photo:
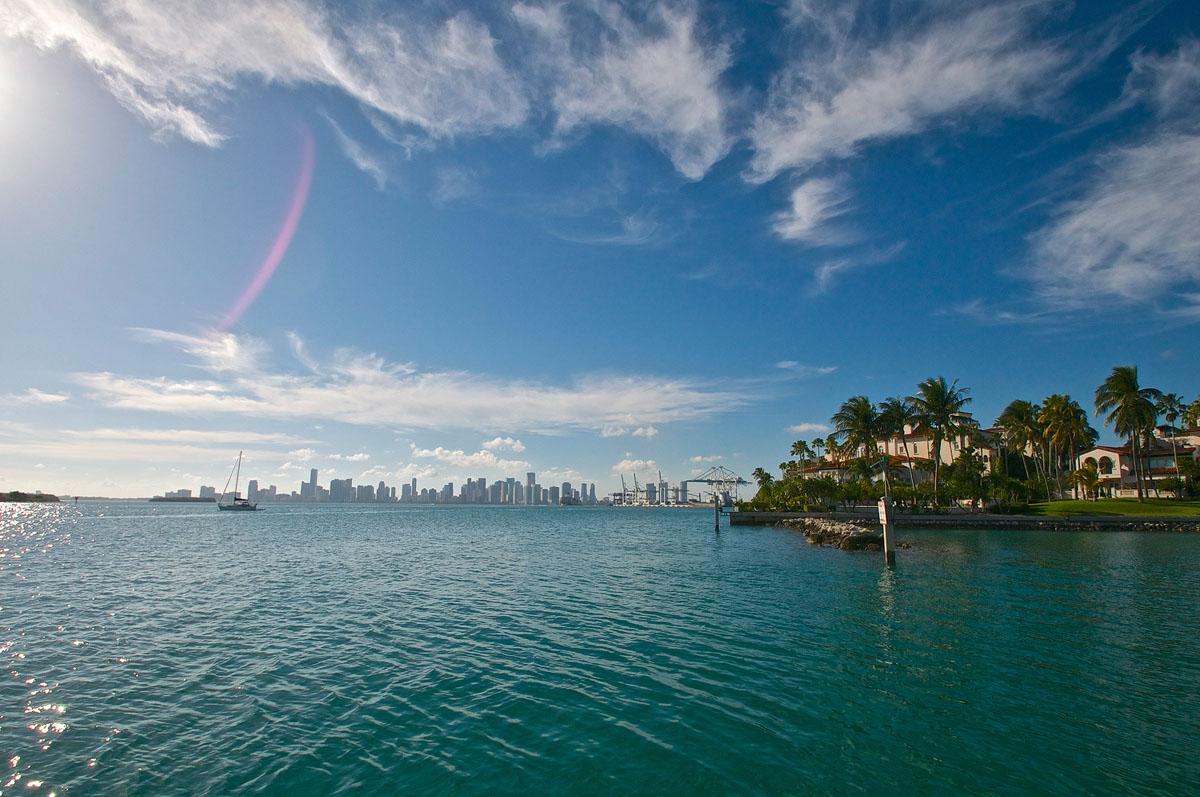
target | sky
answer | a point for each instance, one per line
(444, 240)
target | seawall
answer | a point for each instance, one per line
(973, 521)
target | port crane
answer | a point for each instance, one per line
(721, 482)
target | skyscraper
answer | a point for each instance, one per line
(530, 480)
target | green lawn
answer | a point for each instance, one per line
(1125, 507)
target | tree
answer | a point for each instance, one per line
(938, 408)
(763, 478)
(1019, 420)
(1087, 478)
(1066, 430)
(1170, 407)
(857, 426)
(1131, 410)
(896, 413)
(817, 444)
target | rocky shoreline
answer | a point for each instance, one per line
(848, 535)
(982, 522)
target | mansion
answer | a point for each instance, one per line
(1115, 463)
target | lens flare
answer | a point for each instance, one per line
(282, 240)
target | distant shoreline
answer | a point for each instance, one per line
(16, 496)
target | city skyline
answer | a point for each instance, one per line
(587, 239)
(507, 491)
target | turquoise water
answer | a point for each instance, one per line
(172, 649)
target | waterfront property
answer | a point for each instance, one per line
(1167, 449)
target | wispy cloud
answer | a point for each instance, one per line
(364, 389)
(814, 204)
(169, 62)
(801, 370)
(1130, 236)
(809, 428)
(848, 85)
(34, 396)
(655, 76)
(714, 458)
(368, 163)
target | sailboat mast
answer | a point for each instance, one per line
(238, 478)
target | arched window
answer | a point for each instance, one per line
(1106, 466)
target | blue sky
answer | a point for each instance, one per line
(582, 239)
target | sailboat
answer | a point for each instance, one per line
(238, 504)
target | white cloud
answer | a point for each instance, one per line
(480, 459)
(359, 457)
(216, 351)
(814, 204)
(34, 396)
(366, 390)
(418, 72)
(848, 86)
(553, 475)
(169, 61)
(183, 435)
(454, 183)
(645, 431)
(655, 76)
(371, 165)
(612, 430)
(635, 466)
(1131, 234)
(805, 428)
(303, 454)
(804, 371)
(504, 444)
(714, 458)
(414, 470)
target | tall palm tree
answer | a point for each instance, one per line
(1130, 407)
(857, 426)
(1170, 406)
(817, 444)
(938, 406)
(801, 451)
(896, 413)
(1066, 430)
(1019, 420)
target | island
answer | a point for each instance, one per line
(40, 498)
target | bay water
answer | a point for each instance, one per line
(344, 649)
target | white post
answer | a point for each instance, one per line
(885, 519)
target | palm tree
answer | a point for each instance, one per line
(938, 407)
(857, 424)
(896, 413)
(817, 444)
(763, 478)
(800, 449)
(1019, 420)
(1088, 478)
(1170, 406)
(1130, 407)
(1066, 430)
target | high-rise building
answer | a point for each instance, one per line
(251, 490)
(553, 496)
(565, 495)
(414, 488)
(530, 480)
(683, 495)
(592, 493)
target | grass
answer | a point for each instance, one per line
(1123, 507)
